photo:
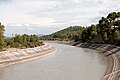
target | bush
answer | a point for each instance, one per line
(17, 45)
(23, 41)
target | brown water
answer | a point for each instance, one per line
(68, 63)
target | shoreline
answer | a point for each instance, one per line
(113, 57)
(24, 55)
(111, 52)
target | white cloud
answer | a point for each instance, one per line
(52, 15)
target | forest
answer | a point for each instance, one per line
(108, 28)
(18, 41)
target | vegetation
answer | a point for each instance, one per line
(1, 36)
(89, 33)
(70, 33)
(19, 41)
(24, 41)
(108, 28)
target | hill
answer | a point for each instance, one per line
(70, 33)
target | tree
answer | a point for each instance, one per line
(24, 38)
(1, 36)
(85, 35)
(18, 39)
(117, 37)
(33, 38)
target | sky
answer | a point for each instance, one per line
(47, 16)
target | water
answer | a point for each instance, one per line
(68, 63)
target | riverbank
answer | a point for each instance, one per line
(13, 55)
(113, 56)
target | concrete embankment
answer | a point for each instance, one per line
(112, 54)
(13, 55)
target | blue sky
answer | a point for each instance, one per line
(47, 16)
(4, 1)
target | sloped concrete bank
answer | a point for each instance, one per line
(13, 55)
(112, 54)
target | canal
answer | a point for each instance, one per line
(67, 63)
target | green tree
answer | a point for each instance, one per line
(33, 38)
(85, 35)
(18, 39)
(117, 37)
(1, 36)
(24, 37)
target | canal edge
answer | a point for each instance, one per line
(113, 70)
(28, 57)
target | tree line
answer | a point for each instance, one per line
(18, 41)
(23, 41)
(108, 28)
